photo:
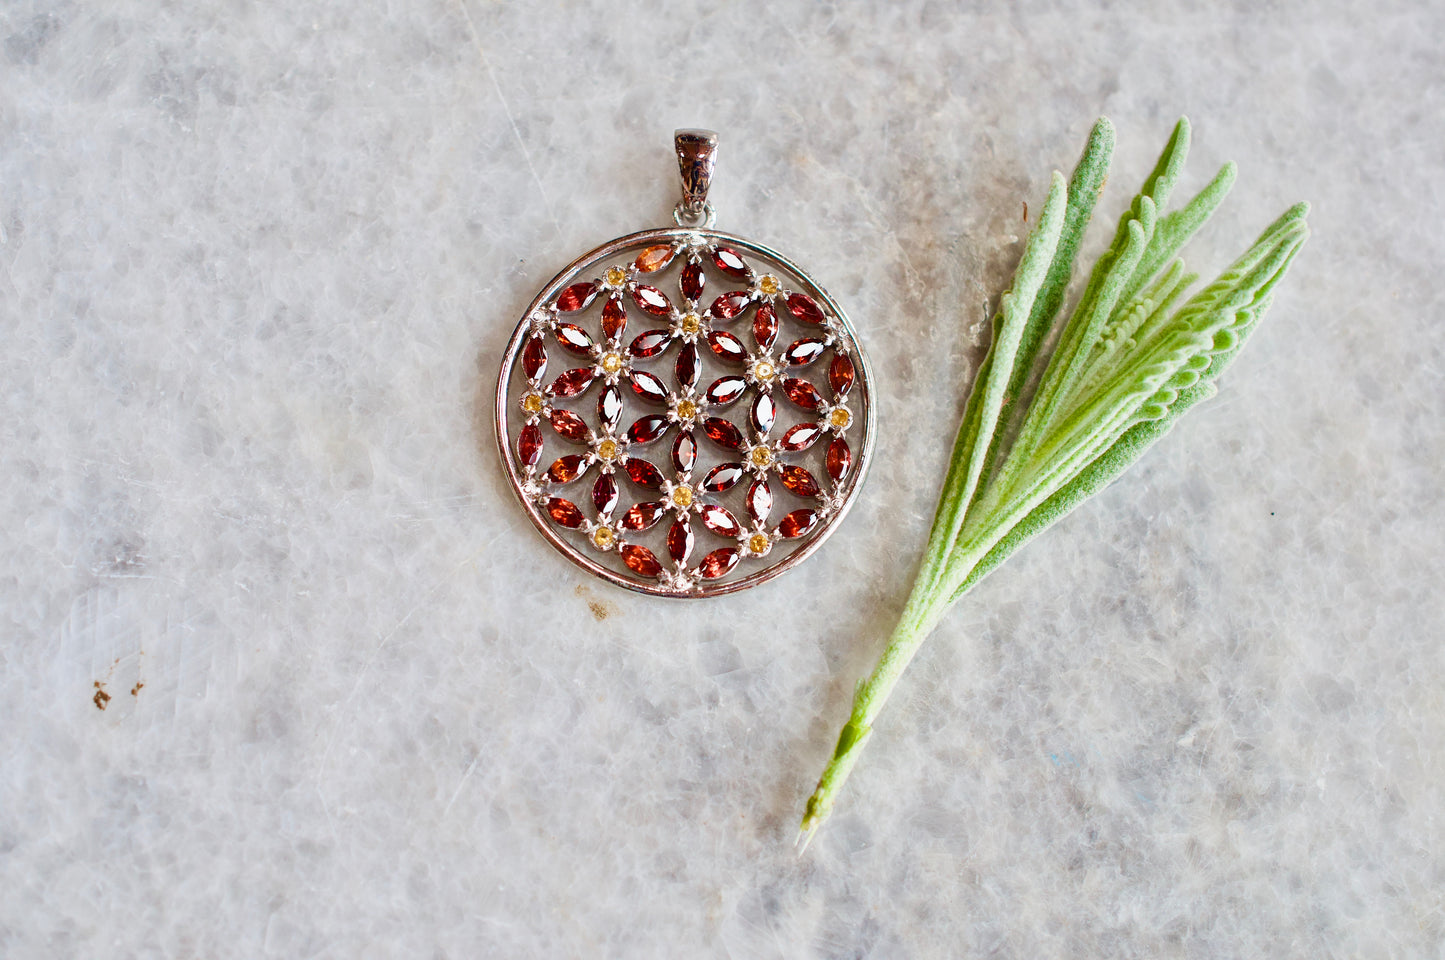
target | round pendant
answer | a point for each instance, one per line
(685, 412)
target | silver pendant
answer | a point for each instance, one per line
(688, 443)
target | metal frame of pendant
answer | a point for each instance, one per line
(531, 488)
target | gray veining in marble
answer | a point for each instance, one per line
(256, 262)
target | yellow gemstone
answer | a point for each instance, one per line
(764, 370)
(691, 324)
(603, 536)
(758, 543)
(532, 403)
(761, 456)
(611, 363)
(615, 276)
(769, 285)
(686, 409)
(682, 496)
(607, 449)
(840, 418)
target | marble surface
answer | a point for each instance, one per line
(256, 263)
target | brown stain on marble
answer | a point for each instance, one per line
(101, 698)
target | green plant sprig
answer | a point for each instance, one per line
(1129, 360)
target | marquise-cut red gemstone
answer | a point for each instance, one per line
(614, 318)
(805, 351)
(569, 425)
(727, 346)
(718, 563)
(641, 516)
(654, 259)
(725, 390)
(574, 338)
(679, 540)
(684, 451)
(798, 523)
(643, 473)
(800, 436)
(649, 344)
(839, 458)
(764, 412)
(687, 366)
(760, 500)
(765, 325)
(803, 393)
(692, 280)
(841, 374)
(722, 477)
(805, 308)
(571, 383)
(647, 429)
(723, 433)
(529, 445)
(720, 521)
(647, 386)
(641, 560)
(604, 494)
(730, 262)
(576, 297)
(729, 305)
(799, 480)
(652, 300)
(564, 513)
(534, 358)
(609, 406)
(566, 469)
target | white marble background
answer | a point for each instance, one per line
(256, 263)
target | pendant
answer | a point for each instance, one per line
(684, 412)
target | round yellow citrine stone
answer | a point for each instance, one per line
(769, 285)
(761, 456)
(758, 543)
(615, 276)
(764, 370)
(611, 363)
(607, 449)
(686, 409)
(682, 496)
(604, 537)
(532, 403)
(840, 418)
(691, 325)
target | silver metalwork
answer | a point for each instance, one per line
(696, 156)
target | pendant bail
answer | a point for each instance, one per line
(696, 154)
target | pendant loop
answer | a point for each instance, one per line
(696, 154)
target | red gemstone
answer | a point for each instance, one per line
(529, 445)
(654, 259)
(687, 366)
(679, 540)
(805, 351)
(574, 338)
(640, 560)
(641, 516)
(718, 563)
(798, 523)
(760, 500)
(730, 262)
(652, 300)
(643, 473)
(799, 480)
(805, 308)
(727, 346)
(647, 429)
(648, 387)
(722, 477)
(614, 318)
(803, 393)
(576, 297)
(721, 522)
(692, 280)
(840, 375)
(684, 451)
(722, 433)
(801, 436)
(534, 359)
(840, 459)
(569, 425)
(729, 305)
(609, 407)
(604, 494)
(650, 344)
(764, 412)
(571, 383)
(566, 469)
(725, 390)
(564, 513)
(765, 325)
